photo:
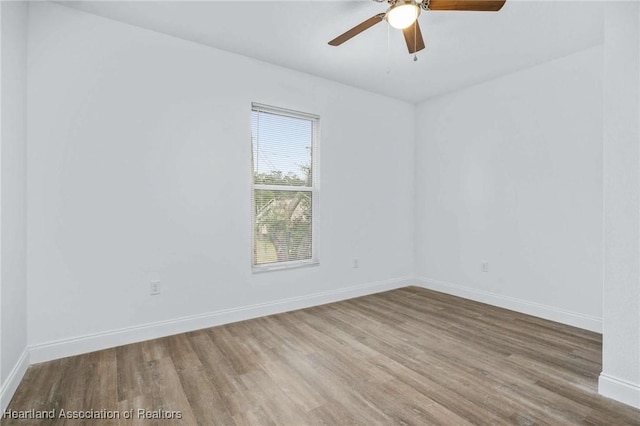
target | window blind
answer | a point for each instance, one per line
(283, 149)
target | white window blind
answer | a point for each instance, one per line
(284, 162)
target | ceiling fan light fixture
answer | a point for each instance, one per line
(402, 14)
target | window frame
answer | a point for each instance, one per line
(314, 189)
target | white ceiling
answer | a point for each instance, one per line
(463, 48)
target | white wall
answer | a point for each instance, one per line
(13, 282)
(620, 378)
(139, 168)
(510, 172)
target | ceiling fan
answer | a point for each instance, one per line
(403, 15)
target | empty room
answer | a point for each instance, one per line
(369, 212)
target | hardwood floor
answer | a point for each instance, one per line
(407, 356)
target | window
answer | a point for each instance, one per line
(285, 203)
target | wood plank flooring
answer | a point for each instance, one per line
(407, 356)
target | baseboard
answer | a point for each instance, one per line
(89, 343)
(14, 378)
(620, 390)
(551, 313)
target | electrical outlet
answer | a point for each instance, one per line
(154, 288)
(355, 263)
(484, 266)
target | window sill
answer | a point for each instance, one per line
(284, 266)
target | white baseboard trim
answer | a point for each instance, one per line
(94, 342)
(620, 390)
(14, 378)
(530, 308)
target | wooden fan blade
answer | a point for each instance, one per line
(357, 29)
(413, 37)
(477, 5)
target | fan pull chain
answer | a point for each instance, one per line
(415, 40)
